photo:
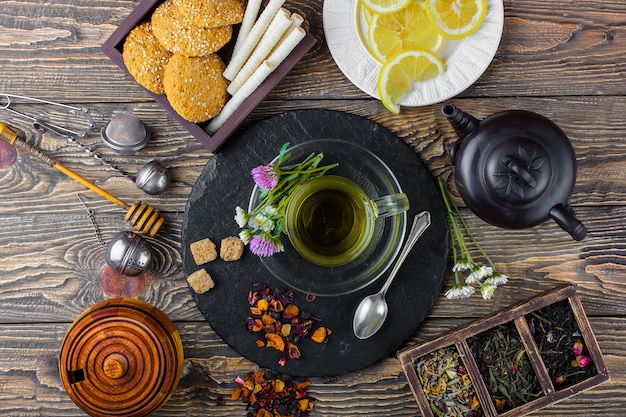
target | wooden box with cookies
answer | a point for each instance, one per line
(209, 63)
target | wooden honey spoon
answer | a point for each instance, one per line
(143, 217)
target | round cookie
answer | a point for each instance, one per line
(178, 35)
(145, 57)
(195, 86)
(212, 13)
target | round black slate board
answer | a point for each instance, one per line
(226, 183)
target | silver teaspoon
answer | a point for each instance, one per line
(372, 311)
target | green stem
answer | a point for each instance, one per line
(473, 239)
(460, 239)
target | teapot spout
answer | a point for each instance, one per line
(565, 218)
(463, 123)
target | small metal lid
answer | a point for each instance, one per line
(125, 133)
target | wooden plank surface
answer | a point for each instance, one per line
(565, 60)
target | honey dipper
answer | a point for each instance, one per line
(143, 217)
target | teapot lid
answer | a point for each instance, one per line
(121, 357)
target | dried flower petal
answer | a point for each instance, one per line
(291, 311)
(583, 361)
(500, 404)
(274, 395)
(293, 352)
(578, 348)
(275, 341)
(279, 323)
(321, 334)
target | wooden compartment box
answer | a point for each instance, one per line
(512, 363)
(112, 48)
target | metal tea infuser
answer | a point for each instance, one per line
(141, 216)
(128, 253)
(124, 133)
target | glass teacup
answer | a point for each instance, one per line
(376, 180)
(330, 220)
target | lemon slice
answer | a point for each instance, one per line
(369, 15)
(408, 28)
(397, 75)
(384, 6)
(457, 19)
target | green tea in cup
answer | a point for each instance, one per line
(330, 220)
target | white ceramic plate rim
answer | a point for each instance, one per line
(465, 60)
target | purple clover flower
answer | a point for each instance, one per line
(265, 176)
(262, 245)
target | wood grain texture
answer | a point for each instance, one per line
(564, 60)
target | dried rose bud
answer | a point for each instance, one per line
(578, 348)
(583, 361)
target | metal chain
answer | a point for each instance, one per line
(63, 132)
(90, 214)
(42, 126)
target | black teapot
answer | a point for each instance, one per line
(514, 169)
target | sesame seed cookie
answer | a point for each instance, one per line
(212, 13)
(195, 86)
(145, 58)
(178, 35)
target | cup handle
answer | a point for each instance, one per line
(390, 204)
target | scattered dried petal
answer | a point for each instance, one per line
(276, 395)
(321, 334)
(279, 323)
(291, 311)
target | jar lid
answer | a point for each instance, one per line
(121, 357)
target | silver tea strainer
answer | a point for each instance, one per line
(124, 133)
(129, 254)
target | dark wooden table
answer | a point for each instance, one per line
(565, 60)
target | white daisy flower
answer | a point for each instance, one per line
(459, 291)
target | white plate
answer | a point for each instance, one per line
(465, 60)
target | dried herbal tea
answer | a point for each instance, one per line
(561, 345)
(279, 323)
(447, 384)
(271, 394)
(505, 367)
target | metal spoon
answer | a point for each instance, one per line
(372, 311)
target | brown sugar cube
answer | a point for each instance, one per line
(200, 281)
(231, 248)
(203, 251)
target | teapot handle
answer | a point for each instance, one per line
(565, 218)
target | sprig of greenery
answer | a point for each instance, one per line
(263, 225)
(487, 278)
